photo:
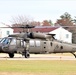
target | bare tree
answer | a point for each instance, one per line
(21, 20)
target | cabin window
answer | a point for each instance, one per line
(23, 43)
(32, 43)
(37, 43)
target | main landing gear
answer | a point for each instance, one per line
(26, 50)
(74, 54)
(27, 54)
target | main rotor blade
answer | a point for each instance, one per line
(29, 27)
(26, 26)
(53, 26)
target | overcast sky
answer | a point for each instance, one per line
(37, 9)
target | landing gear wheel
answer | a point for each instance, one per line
(11, 55)
(74, 54)
(27, 54)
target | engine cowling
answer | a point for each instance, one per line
(39, 35)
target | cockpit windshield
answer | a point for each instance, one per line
(5, 40)
(1, 39)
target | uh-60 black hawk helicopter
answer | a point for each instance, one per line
(35, 43)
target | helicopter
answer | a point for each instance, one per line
(27, 43)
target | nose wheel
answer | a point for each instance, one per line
(11, 55)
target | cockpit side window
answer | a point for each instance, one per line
(5, 40)
(13, 42)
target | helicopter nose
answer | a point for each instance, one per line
(1, 47)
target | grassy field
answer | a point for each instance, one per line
(37, 67)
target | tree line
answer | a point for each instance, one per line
(65, 20)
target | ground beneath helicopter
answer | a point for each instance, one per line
(4, 56)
